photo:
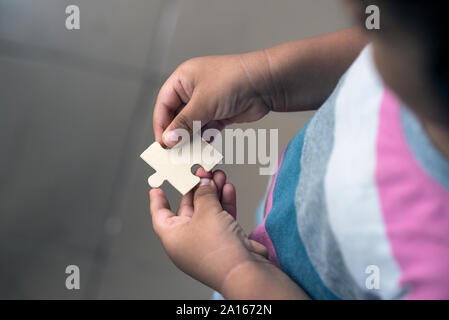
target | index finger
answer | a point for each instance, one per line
(167, 103)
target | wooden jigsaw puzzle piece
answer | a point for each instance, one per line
(184, 182)
(178, 173)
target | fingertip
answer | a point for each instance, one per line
(205, 182)
(229, 190)
(229, 199)
(258, 248)
(156, 192)
(158, 138)
(170, 138)
(158, 131)
(200, 172)
(220, 176)
(158, 199)
(206, 186)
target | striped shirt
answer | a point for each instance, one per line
(360, 187)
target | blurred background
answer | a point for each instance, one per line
(75, 114)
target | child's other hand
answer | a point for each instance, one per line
(204, 239)
(216, 90)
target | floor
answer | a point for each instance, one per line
(76, 111)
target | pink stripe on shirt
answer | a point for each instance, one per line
(260, 234)
(415, 210)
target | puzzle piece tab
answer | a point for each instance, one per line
(174, 165)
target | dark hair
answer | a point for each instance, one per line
(426, 20)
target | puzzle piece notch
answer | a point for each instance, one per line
(175, 169)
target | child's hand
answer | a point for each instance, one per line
(204, 239)
(216, 90)
(220, 90)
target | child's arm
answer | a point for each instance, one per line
(305, 72)
(204, 240)
(220, 90)
(260, 281)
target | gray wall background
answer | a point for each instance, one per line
(75, 113)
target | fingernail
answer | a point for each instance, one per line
(204, 182)
(170, 137)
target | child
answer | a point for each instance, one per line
(359, 206)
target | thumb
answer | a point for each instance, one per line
(160, 211)
(195, 110)
(205, 198)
